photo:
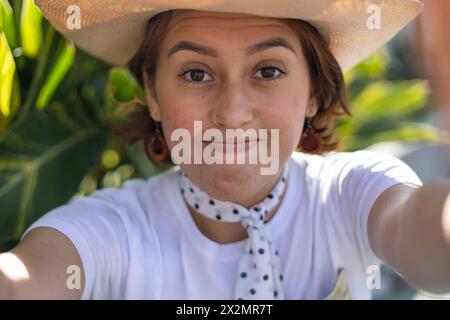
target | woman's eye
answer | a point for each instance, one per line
(195, 75)
(270, 73)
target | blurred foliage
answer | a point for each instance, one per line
(57, 106)
(383, 109)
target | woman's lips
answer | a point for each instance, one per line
(232, 147)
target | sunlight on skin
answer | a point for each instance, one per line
(446, 219)
(13, 268)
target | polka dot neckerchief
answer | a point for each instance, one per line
(259, 273)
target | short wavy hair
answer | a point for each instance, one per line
(325, 74)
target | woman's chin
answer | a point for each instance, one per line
(228, 182)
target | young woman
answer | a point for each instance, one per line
(211, 230)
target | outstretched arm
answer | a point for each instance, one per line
(409, 228)
(37, 267)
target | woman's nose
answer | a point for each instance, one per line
(233, 108)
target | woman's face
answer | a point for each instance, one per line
(223, 81)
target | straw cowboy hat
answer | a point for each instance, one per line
(113, 30)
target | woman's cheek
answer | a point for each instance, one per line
(292, 134)
(175, 123)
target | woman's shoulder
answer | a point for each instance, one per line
(127, 206)
(345, 160)
(330, 156)
(336, 169)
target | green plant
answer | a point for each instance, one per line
(383, 109)
(57, 106)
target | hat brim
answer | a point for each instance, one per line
(113, 30)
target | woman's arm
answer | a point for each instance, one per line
(409, 228)
(38, 268)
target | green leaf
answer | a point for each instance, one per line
(408, 132)
(42, 163)
(7, 70)
(123, 94)
(384, 98)
(63, 64)
(123, 85)
(13, 106)
(7, 23)
(375, 66)
(403, 132)
(38, 73)
(30, 29)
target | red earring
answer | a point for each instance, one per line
(310, 142)
(156, 146)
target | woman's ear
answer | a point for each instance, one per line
(150, 97)
(312, 108)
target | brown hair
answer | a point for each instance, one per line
(327, 82)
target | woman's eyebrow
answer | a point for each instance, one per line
(211, 52)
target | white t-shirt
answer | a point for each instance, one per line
(140, 242)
